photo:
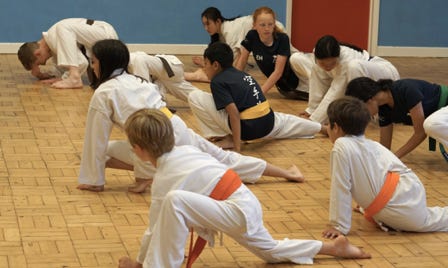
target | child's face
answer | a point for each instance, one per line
(372, 106)
(211, 69)
(335, 132)
(264, 25)
(328, 64)
(95, 64)
(212, 27)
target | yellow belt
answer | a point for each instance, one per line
(256, 111)
(166, 111)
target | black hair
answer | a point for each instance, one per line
(329, 47)
(220, 52)
(112, 55)
(365, 88)
(212, 13)
(350, 114)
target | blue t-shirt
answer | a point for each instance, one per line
(265, 57)
(406, 94)
(234, 86)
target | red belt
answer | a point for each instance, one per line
(226, 186)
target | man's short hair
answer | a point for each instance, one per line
(26, 54)
(351, 114)
(220, 52)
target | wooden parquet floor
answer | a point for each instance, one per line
(46, 222)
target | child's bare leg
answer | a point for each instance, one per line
(117, 164)
(126, 262)
(140, 185)
(72, 81)
(198, 76)
(293, 173)
(226, 142)
(341, 247)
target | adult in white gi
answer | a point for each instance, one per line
(183, 182)
(65, 41)
(119, 95)
(231, 31)
(234, 94)
(152, 68)
(359, 167)
(337, 64)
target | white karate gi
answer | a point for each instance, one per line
(302, 64)
(436, 126)
(179, 201)
(358, 169)
(214, 123)
(64, 37)
(151, 68)
(112, 103)
(328, 86)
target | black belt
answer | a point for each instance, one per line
(166, 66)
(90, 21)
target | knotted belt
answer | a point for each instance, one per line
(383, 197)
(443, 101)
(228, 184)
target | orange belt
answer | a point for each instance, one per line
(228, 184)
(383, 196)
(256, 111)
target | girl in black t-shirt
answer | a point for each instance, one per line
(271, 50)
(408, 101)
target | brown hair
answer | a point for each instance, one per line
(266, 10)
(26, 54)
(351, 115)
(151, 130)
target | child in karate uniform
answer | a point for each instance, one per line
(388, 192)
(118, 95)
(192, 190)
(237, 108)
(166, 71)
(69, 43)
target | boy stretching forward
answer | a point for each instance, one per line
(389, 192)
(193, 190)
(237, 109)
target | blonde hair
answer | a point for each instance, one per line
(151, 130)
(266, 10)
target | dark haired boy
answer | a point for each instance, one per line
(237, 110)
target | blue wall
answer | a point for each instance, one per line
(413, 23)
(136, 21)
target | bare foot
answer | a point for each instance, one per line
(198, 60)
(198, 76)
(304, 115)
(89, 187)
(294, 174)
(226, 142)
(140, 185)
(68, 83)
(215, 138)
(342, 248)
(324, 130)
(126, 262)
(50, 81)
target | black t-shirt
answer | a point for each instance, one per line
(234, 86)
(266, 56)
(406, 94)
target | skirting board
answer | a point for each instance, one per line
(196, 49)
(411, 51)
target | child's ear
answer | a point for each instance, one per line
(216, 65)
